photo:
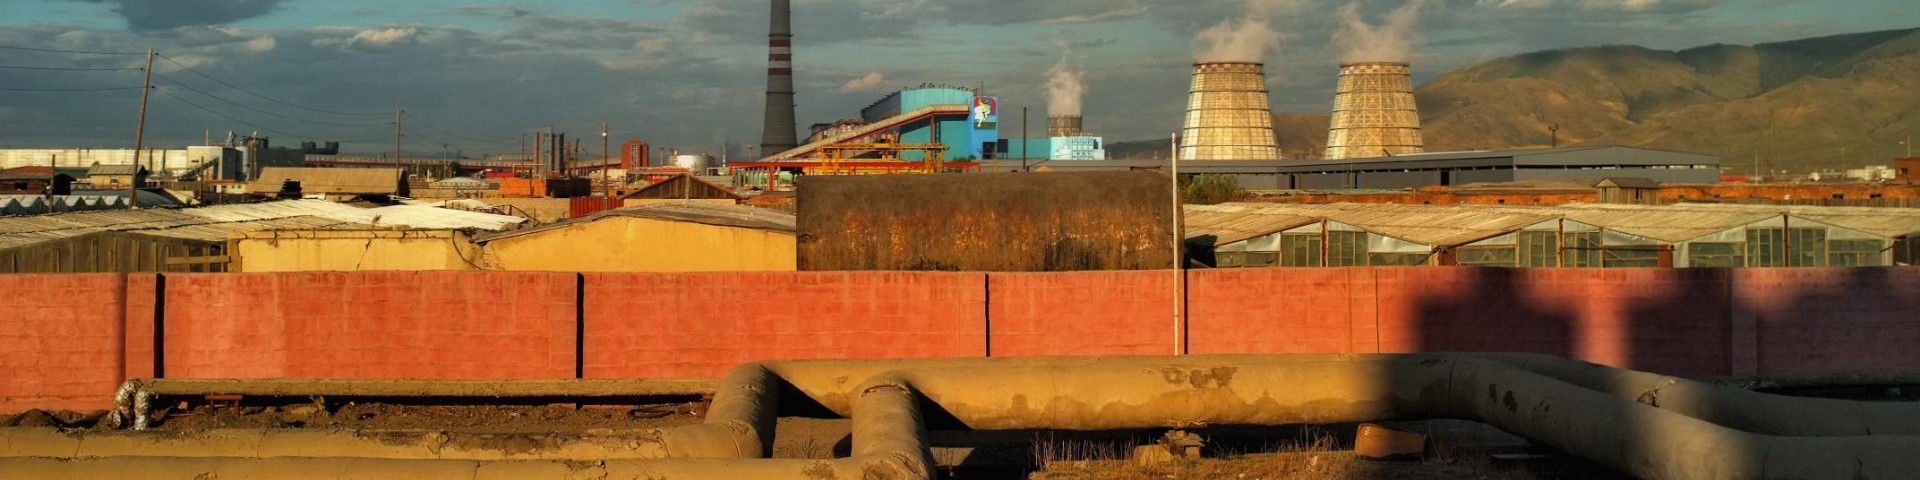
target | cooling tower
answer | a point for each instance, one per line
(1228, 117)
(780, 132)
(1064, 126)
(1374, 113)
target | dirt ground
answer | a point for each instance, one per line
(1462, 449)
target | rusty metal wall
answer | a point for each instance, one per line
(1042, 222)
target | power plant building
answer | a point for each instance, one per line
(1228, 114)
(973, 133)
(1374, 113)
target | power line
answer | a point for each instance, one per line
(235, 120)
(271, 99)
(106, 89)
(249, 107)
(82, 52)
(68, 69)
(430, 126)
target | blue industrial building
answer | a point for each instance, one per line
(974, 135)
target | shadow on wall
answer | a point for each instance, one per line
(1794, 321)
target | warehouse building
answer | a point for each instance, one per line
(1587, 165)
(1572, 236)
(972, 133)
(692, 237)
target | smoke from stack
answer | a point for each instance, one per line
(780, 131)
(1065, 91)
(1390, 41)
(1374, 111)
(1246, 39)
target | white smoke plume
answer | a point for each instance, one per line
(1065, 89)
(1390, 41)
(1248, 38)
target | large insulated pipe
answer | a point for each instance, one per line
(780, 131)
(1186, 392)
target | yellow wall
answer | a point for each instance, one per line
(352, 251)
(641, 202)
(628, 244)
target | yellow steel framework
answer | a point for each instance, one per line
(838, 159)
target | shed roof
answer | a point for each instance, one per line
(340, 181)
(1620, 182)
(28, 173)
(213, 223)
(718, 215)
(1435, 225)
(99, 169)
(687, 186)
(1229, 225)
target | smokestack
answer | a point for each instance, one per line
(1064, 126)
(1374, 114)
(1228, 117)
(780, 131)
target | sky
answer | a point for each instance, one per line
(689, 75)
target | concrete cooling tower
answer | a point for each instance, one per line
(1064, 126)
(1374, 114)
(1228, 117)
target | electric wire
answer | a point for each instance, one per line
(203, 108)
(248, 107)
(271, 99)
(430, 126)
(102, 89)
(70, 69)
(81, 52)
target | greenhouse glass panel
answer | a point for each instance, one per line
(1766, 247)
(1808, 247)
(1261, 259)
(1855, 253)
(1632, 257)
(1300, 250)
(1717, 255)
(1486, 257)
(1346, 249)
(1397, 259)
(1539, 249)
(1230, 259)
(1583, 250)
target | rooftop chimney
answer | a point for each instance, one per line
(779, 134)
(1228, 117)
(1374, 114)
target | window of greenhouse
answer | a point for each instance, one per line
(1808, 247)
(1486, 257)
(1346, 249)
(1854, 253)
(1230, 259)
(1397, 259)
(1300, 250)
(1261, 259)
(1632, 257)
(1539, 249)
(1766, 247)
(1583, 250)
(1717, 255)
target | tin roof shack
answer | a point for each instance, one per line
(335, 184)
(353, 250)
(655, 238)
(34, 181)
(990, 222)
(680, 189)
(105, 177)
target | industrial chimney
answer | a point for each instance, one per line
(780, 131)
(1228, 117)
(1064, 126)
(1374, 114)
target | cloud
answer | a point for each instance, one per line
(871, 82)
(1099, 17)
(152, 15)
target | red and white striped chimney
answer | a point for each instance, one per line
(779, 133)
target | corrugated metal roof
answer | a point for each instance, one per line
(1887, 222)
(709, 214)
(344, 181)
(214, 223)
(1229, 225)
(1453, 225)
(1436, 225)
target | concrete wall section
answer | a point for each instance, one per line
(1083, 313)
(431, 325)
(702, 324)
(1827, 320)
(60, 341)
(1273, 310)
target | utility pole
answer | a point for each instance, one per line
(140, 137)
(53, 161)
(1179, 264)
(1025, 139)
(399, 125)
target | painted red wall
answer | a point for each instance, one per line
(60, 341)
(702, 324)
(370, 325)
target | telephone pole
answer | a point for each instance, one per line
(399, 124)
(140, 137)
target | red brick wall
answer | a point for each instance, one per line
(1083, 313)
(60, 341)
(702, 324)
(1278, 310)
(370, 325)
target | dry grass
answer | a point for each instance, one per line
(1317, 457)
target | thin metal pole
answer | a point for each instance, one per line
(399, 125)
(1179, 327)
(140, 137)
(1025, 139)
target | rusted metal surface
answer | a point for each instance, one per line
(1046, 222)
